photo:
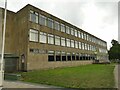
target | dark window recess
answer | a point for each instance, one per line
(69, 58)
(31, 50)
(50, 58)
(84, 58)
(63, 58)
(58, 58)
(77, 57)
(87, 58)
(73, 57)
(81, 58)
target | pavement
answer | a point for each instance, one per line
(118, 76)
(19, 84)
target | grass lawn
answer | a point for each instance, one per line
(87, 76)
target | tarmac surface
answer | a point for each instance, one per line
(118, 76)
(19, 84)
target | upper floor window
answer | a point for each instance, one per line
(50, 39)
(72, 43)
(76, 33)
(83, 46)
(67, 30)
(79, 45)
(56, 25)
(33, 35)
(62, 28)
(85, 36)
(57, 40)
(33, 16)
(82, 36)
(62, 41)
(79, 34)
(72, 31)
(76, 44)
(42, 37)
(42, 20)
(68, 42)
(50, 23)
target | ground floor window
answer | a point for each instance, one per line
(68, 56)
(73, 56)
(63, 56)
(77, 56)
(51, 56)
(58, 56)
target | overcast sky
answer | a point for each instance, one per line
(97, 17)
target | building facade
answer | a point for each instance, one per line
(42, 40)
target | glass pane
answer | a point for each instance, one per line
(33, 35)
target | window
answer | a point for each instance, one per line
(42, 20)
(58, 56)
(72, 43)
(62, 41)
(82, 36)
(51, 56)
(67, 30)
(57, 40)
(42, 37)
(87, 37)
(63, 56)
(31, 50)
(83, 47)
(79, 45)
(77, 56)
(33, 16)
(68, 56)
(50, 39)
(73, 56)
(79, 34)
(68, 42)
(56, 25)
(50, 23)
(33, 35)
(76, 44)
(88, 47)
(62, 28)
(76, 33)
(72, 31)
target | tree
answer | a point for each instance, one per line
(114, 52)
(114, 42)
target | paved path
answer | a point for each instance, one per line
(119, 76)
(18, 84)
(116, 76)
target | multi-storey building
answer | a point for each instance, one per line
(42, 40)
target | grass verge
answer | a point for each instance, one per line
(87, 76)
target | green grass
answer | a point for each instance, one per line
(87, 76)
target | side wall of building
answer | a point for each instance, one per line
(22, 35)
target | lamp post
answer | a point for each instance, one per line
(3, 46)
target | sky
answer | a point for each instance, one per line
(97, 17)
